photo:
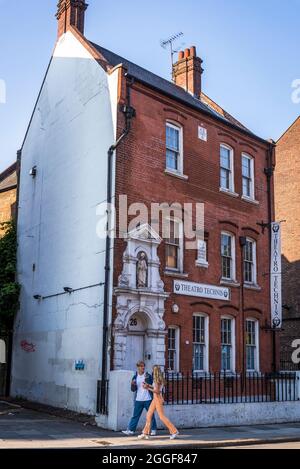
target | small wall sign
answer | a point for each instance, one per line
(202, 133)
(79, 365)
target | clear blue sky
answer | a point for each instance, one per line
(250, 51)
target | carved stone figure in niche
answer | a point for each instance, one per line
(142, 271)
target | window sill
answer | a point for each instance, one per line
(174, 273)
(249, 200)
(220, 374)
(252, 286)
(227, 192)
(200, 373)
(202, 264)
(228, 374)
(230, 283)
(173, 375)
(176, 174)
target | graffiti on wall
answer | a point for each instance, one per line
(27, 347)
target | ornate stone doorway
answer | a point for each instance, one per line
(139, 329)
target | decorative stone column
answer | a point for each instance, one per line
(145, 304)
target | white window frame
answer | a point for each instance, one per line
(257, 354)
(252, 184)
(180, 248)
(180, 154)
(254, 279)
(177, 349)
(233, 258)
(233, 342)
(231, 178)
(206, 342)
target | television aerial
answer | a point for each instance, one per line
(169, 43)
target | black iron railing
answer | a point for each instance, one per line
(286, 362)
(228, 388)
(102, 397)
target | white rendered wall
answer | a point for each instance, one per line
(72, 128)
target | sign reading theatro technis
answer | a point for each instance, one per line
(275, 276)
(202, 290)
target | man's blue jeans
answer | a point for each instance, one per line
(139, 406)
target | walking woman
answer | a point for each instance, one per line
(157, 405)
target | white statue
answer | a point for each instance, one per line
(142, 271)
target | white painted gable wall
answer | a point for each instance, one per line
(72, 128)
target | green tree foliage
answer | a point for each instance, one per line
(9, 288)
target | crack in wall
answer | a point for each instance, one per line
(84, 304)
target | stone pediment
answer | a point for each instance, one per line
(144, 233)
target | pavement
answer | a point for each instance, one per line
(26, 428)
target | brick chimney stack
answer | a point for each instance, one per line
(70, 13)
(187, 71)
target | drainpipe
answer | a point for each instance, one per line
(269, 171)
(129, 113)
(242, 303)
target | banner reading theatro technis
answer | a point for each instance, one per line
(275, 275)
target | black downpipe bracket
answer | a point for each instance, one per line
(129, 113)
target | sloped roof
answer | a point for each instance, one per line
(222, 111)
(8, 178)
(205, 104)
(296, 121)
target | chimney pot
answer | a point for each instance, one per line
(70, 13)
(188, 73)
(193, 51)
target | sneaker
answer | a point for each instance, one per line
(153, 433)
(174, 435)
(128, 432)
(143, 437)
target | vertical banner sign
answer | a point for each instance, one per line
(275, 275)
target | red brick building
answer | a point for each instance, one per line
(142, 157)
(287, 199)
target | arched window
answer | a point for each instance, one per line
(174, 245)
(226, 168)
(174, 148)
(228, 256)
(248, 176)
(228, 344)
(250, 269)
(252, 344)
(173, 349)
(200, 342)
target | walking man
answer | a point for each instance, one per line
(143, 399)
